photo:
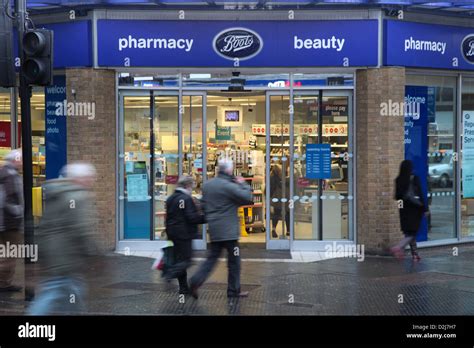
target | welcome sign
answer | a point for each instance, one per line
(131, 43)
(428, 45)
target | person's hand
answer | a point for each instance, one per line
(240, 179)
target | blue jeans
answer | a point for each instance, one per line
(58, 294)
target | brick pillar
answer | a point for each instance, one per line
(380, 149)
(93, 140)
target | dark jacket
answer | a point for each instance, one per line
(11, 199)
(222, 197)
(410, 214)
(65, 234)
(276, 189)
(182, 216)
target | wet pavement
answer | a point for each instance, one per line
(441, 284)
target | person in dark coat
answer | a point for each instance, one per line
(412, 208)
(66, 241)
(11, 216)
(183, 214)
(222, 197)
(276, 193)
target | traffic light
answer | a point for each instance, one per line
(7, 66)
(37, 64)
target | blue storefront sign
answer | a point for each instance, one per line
(318, 161)
(123, 43)
(416, 139)
(428, 45)
(56, 134)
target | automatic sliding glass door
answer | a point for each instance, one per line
(322, 166)
(149, 157)
(309, 189)
(278, 157)
(194, 147)
(135, 203)
(165, 155)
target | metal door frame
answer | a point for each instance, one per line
(319, 245)
(198, 244)
(278, 244)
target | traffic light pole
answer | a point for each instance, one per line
(25, 95)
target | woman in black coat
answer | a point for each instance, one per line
(183, 215)
(412, 207)
(276, 192)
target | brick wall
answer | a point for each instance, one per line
(380, 150)
(93, 140)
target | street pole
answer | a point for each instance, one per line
(25, 95)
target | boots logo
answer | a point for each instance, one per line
(467, 48)
(238, 43)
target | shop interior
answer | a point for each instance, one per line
(236, 128)
(38, 130)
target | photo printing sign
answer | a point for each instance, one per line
(131, 43)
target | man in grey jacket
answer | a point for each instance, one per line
(65, 240)
(222, 196)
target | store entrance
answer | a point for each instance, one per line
(231, 118)
(293, 148)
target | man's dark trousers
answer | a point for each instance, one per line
(233, 265)
(183, 252)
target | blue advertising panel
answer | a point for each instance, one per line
(123, 43)
(56, 134)
(318, 161)
(416, 141)
(428, 45)
(72, 43)
(468, 154)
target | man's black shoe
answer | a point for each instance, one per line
(194, 293)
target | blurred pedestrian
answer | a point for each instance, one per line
(11, 215)
(222, 197)
(183, 214)
(64, 240)
(278, 208)
(409, 193)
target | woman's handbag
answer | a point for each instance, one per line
(410, 195)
